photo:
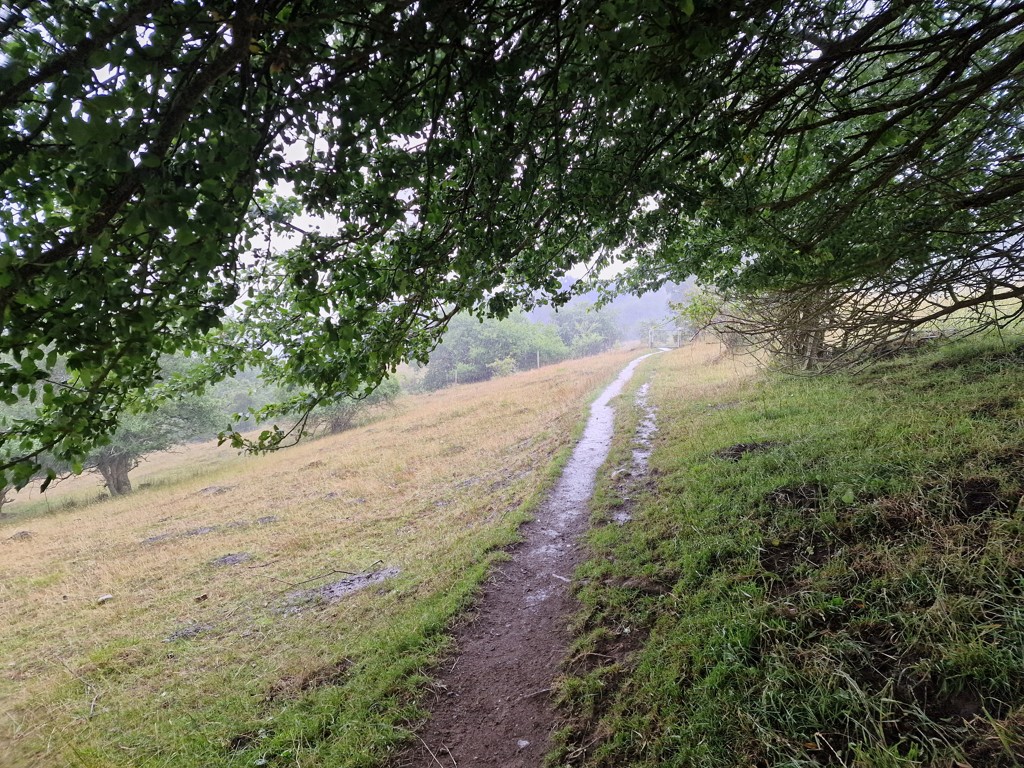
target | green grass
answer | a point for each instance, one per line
(850, 592)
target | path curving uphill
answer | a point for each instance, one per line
(493, 705)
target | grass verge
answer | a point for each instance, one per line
(819, 572)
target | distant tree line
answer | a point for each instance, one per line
(477, 350)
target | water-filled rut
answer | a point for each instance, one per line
(492, 706)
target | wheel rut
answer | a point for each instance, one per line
(492, 704)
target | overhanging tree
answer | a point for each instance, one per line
(460, 161)
(458, 156)
(873, 182)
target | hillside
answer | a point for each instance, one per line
(822, 571)
(781, 571)
(217, 647)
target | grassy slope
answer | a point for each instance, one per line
(849, 594)
(436, 489)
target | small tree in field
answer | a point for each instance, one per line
(340, 415)
(142, 432)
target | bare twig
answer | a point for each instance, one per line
(450, 755)
(92, 706)
(430, 751)
(314, 578)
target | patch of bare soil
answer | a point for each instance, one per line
(492, 704)
(738, 451)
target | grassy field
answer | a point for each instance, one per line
(823, 571)
(216, 648)
(819, 572)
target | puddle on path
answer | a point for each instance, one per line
(571, 494)
(644, 431)
(492, 706)
(642, 449)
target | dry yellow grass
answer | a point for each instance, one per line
(90, 684)
(703, 371)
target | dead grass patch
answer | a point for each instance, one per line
(79, 678)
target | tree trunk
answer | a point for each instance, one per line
(815, 340)
(115, 471)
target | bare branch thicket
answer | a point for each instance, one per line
(884, 205)
(822, 328)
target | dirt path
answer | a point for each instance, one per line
(492, 704)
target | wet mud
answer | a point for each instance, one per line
(331, 593)
(492, 703)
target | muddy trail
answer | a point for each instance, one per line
(492, 704)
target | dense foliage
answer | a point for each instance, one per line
(443, 157)
(586, 330)
(475, 350)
